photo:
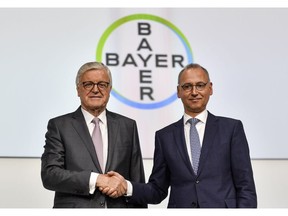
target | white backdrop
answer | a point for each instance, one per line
(245, 51)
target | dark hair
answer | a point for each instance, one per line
(195, 66)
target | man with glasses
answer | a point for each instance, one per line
(82, 146)
(203, 158)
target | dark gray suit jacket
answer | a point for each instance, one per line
(225, 177)
(69, 158)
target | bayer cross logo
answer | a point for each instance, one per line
(145, 54)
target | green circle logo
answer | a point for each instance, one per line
(181, 39)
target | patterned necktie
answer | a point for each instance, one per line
(97, 140)
(195, 144)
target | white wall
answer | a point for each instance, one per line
(21, 186)
(244, 50)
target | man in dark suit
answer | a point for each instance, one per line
(70, 165)
(223, 177)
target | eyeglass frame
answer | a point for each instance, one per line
(95, 83)
(200, 85)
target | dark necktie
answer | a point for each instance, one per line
(195, 144)
(97, 140)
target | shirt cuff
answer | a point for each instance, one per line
(129, 189)
(92, 182)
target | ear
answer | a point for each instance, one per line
(178, 91)
(211, 88)
(77, 89)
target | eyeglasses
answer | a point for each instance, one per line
(89, 85)
(188, 86)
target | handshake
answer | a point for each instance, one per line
(112, 184)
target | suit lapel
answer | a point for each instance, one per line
(80, 126)
(181, 143)
(208, 140)
(113, 130)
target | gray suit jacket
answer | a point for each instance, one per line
(69, 158)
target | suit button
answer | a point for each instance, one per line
(194, 205)
(197, 182)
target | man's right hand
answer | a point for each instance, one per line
(112, 184)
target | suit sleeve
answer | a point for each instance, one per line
(242, 169)
(156, 190)
(54, 174)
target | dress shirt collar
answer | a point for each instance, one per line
(89, 117)
(202, 117)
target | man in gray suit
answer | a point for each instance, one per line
(70, 165)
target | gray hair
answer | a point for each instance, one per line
(93, 66)
(194, 66)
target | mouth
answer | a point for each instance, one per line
(95, 97)
(195, 100)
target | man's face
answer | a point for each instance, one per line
(194, 101)
(94, 98)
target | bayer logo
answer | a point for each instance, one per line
(145, 54)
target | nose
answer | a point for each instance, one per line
(95, 89)
(194, 90)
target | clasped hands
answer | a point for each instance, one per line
(112, 184)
